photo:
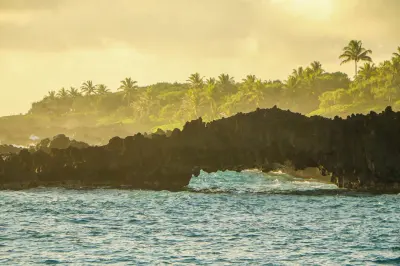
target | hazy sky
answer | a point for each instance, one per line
(48, 44)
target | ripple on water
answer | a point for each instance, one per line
(223, 218)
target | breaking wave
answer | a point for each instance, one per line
(254, 181)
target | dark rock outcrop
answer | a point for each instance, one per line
(59, 141)
(6, 149)
(361, 152)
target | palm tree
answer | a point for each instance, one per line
(62, 93)
(397, 54)
(250, 79)
(248, 84)
(102, 89)
(191, 103)
(145, 103)
(308, 78)
(393, 80)
(225, 79)
(73, 92)
(292, 88)
(210, 94)
(210, 81)
(88, 88)
(51, 95)
(195, 81)
(225, 83)
(366, 71)
(316, 68)
(298, 73)
(257, 93)
(355, 52)
(129, 87)
(395, 66)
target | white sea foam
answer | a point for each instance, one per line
(253, 182)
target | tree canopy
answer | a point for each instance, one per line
(308, 89)
(354, 51)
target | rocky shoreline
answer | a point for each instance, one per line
(359, 153)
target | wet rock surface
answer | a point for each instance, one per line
(361, 152)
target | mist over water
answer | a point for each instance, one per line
(246, 218)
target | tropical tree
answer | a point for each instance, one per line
(195, 81)
(225, 79)
(88, 88)
(316, 68)
(210, 94)
(210, 81)
(292, 89)
(302, 83)
(310, 80)
(355, 52)
(145, 104)
(233, 103)
(62, 93)
(73, 92)
(257, 93)
(51, 95)
(396, 73)
(366, 71)
(191, 104)
(389, 88)
(247, 84)
(102, 89)
(335, 97)
(225, 84)
(129, 88)
(273, 92)
(250, 79)
(298, 73)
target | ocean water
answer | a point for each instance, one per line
(223, 218)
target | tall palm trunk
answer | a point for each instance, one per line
(355, 65)
(213, 109)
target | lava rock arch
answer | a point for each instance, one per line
(361, 152)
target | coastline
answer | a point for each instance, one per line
(357, 153)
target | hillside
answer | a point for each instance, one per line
(94, 113)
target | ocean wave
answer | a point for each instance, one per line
(256, 182)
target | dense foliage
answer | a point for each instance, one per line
(309, 90)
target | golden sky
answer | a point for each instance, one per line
(48, 44)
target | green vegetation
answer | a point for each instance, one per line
(355, 52)
(309, 90)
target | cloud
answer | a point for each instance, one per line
(210, 28)
(177, 25)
